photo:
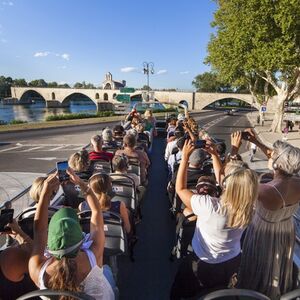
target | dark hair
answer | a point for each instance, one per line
(129, 140)
(221, 148)
(118, 129)
(180, 142)
(120, 162)
(179, 132)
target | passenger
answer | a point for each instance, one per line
(118, 134)
(120, 166)
(267, 261)
(70, 267)
(179, 132)
(142, 136)
(102, 188)
(175, 158)
(107, 136)
(150, 121)
(36, 188)
(220, 224)
(171, 127)
(99, 153)
(129, 145)
(14, 278)
(80, 163)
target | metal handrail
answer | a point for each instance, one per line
(8, 203)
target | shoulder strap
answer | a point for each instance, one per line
(91, 256)
(41, 274)
(276, 189)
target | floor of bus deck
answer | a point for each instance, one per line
(151, 275)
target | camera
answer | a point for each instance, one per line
(246, 135)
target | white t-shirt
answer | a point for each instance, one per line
(169, 148)
(213, 241)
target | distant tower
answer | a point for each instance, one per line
(110, 84)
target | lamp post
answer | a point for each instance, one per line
(148, 68)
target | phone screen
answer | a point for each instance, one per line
(200, 144)
(62, 167)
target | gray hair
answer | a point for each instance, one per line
(286, 157)
(96, 139)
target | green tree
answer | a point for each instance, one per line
(52, 84)
(64, 85)
(78, 85)
(5, 85)
(146, 88)
(38, 83)
(20, 82)
(208, 82)
(258, 39)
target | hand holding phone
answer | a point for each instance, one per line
(5, 218)
(62, 167)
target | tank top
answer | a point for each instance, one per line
(95, 284)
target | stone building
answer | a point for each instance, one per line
(110, 84)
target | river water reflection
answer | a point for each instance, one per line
(38, 111)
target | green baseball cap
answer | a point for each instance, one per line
(64, 234)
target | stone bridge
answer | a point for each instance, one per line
(61, 97)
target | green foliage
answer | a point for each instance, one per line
(13, 122)
(254, 37)
(20, 82)
(208, 82)
(79, 116)
(83, 85)
(38, 83)
(146, 88)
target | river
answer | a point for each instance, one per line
(38, 111)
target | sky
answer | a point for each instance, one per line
(70, 41)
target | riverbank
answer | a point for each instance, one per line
(69, 123)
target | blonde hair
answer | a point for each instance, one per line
(148, 113)
(79, 161)
(36, 188)
(240, 194)
(101, 184)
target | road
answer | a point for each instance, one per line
(152, 273)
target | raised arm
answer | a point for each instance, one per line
(97, 224)
(40, 227)
(253, 139)
(181, 182)
(217, 164)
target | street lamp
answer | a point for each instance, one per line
(148, 68)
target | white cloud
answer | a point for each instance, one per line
(41, 54)
(160, 72)
(65, 56)
(4, 41)
(184, 72)
(9, 3)
(129, 69)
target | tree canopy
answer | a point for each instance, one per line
(257, 38)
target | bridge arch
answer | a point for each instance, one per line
(97, 96)
(52, 96)
(31, 96)
(75, 97)
(107, 86)
(105, 97)
(114, 95)
(184, 102)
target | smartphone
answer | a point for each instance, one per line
(246, 135)
(62, 167)
(200, 144)
(5, 218)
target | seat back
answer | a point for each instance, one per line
(291, 295)
(115, 236)
(134, 166)
(124, 190)
(26, 219)
(101, 166)
(236, 293)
